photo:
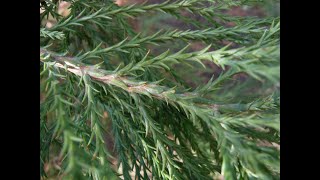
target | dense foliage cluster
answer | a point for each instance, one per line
(112, 107)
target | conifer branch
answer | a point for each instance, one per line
(185, 102)
(129, 84)
(104, 14)
(111, 108)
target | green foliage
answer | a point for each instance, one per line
(112, 108)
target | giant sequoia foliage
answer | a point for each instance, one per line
(113, 107)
